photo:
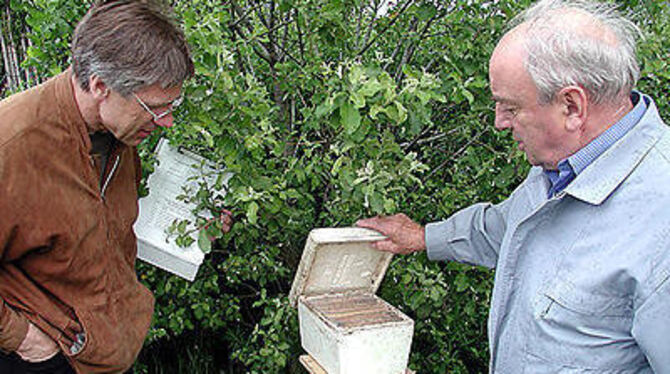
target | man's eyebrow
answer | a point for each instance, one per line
(504, 100)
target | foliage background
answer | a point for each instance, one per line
(327, 111)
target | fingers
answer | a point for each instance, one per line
(377, 223)
(403, 235)
(226, 212)
(367, 222)
(386, 245)
(226, 219)
(387, 225)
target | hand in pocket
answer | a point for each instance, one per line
(37, 346)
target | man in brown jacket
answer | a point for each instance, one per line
(70, 301)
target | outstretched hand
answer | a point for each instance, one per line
(403, 235)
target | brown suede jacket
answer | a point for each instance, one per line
(67, 246)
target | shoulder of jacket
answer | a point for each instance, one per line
(19, 114)
(663, 144)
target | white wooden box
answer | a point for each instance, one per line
(344, 326)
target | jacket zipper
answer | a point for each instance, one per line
(109, 177)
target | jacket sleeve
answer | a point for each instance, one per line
(651, 327)
(472, 235)
(13, 326)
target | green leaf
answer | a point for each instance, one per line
(323, 109)
(356, 74)
(461, 282)
(426, 11)
(337, 165)
(350, 118)
(375, 110)
(370, 88)
(402, 112)
(285, 5)
(439, 97)
(468, 95)
(252, 210)
(227, 81)
(204, 243)
(209, 139)
(424, 97)
(358, 100)
(376, 203)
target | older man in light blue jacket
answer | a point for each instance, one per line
(582, 247)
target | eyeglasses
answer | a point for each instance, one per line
(171, 106)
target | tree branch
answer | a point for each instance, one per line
(453, 156)
(300, 41)
(393, 21)
(375, 9)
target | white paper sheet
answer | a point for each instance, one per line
(161, 208)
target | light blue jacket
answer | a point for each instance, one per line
(582, 279)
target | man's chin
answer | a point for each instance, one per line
(532, 160)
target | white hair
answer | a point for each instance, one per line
(580, 42)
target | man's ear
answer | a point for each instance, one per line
(98, 88)
(575, 104)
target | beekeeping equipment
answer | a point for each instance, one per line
(344, 326)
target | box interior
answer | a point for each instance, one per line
(353, 311)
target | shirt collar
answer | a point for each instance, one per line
(569, 168)
(612, 167)
(585, 156)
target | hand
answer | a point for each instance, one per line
(226, 219)
(403, 235)
(36, 346)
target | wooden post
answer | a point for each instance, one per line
(314, 368)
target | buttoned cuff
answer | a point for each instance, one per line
(13, 329)
(437, 244)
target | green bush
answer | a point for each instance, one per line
(326, 113)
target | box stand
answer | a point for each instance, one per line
(314, 368)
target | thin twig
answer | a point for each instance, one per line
(375, 9)
(243, 17)
(453, 156)
(393, 21)
(300, 41)
(426, 131)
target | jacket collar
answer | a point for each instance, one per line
(599, 180)
(68, 114)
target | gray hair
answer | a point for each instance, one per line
(599, 54)
(130, 45)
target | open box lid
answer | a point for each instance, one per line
(339, 260)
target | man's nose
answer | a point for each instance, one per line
(501, 122)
